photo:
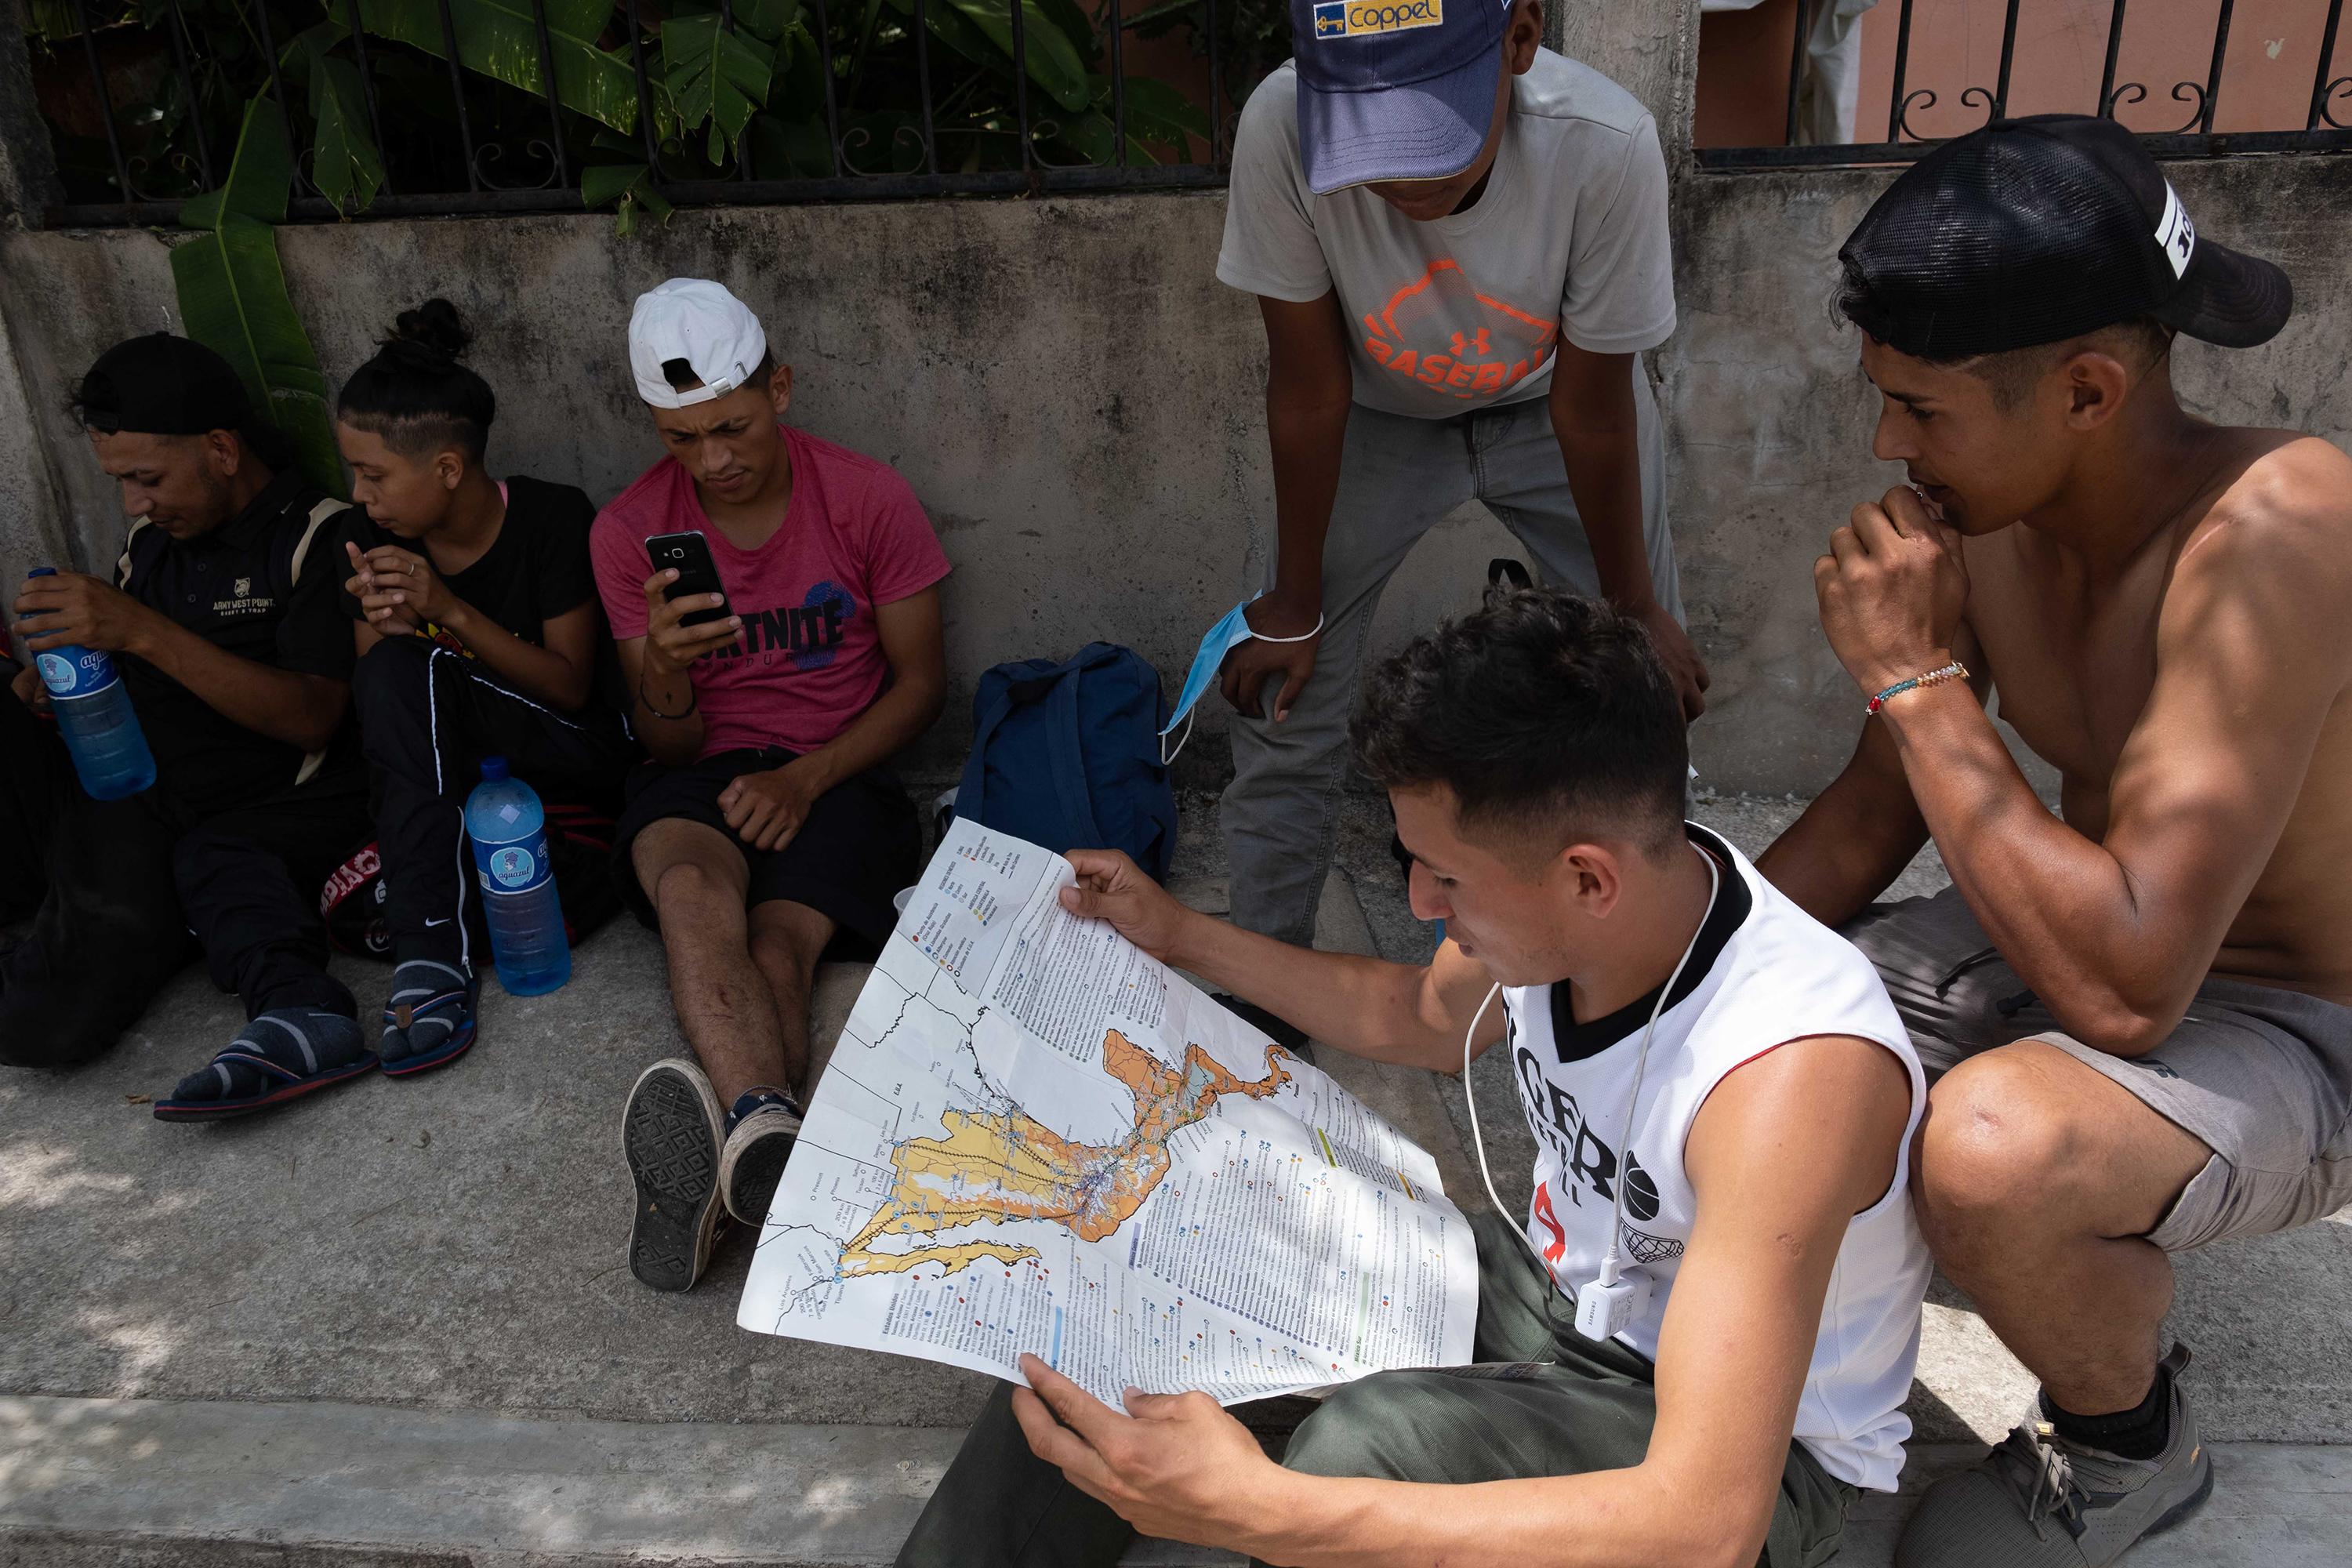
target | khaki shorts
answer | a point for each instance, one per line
(2263, 1076)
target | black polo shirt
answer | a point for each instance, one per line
(263, 586)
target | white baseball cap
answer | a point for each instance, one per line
(700, 322)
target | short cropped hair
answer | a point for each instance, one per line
(1550, 717)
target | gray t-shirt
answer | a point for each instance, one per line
(1463, 312)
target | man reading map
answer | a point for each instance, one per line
(1697, 1349)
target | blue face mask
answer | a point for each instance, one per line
(1225, 637)
(1231, 631)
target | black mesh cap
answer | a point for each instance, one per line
(2036, 230)
(162, 386)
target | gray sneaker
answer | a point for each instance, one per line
(2040, 1501)
(754, 1160)
(669, 1135)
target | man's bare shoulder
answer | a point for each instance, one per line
(2287, 509)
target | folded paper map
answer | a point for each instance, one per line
(1033, 1136)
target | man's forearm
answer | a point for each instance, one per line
(667, 711)
(1366, 1007)
(1604, 478)
(282, 704)
(1306, 439)
(1841, 853)
(1603, 1518)
(2060, 907)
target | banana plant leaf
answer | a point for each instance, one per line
(715, 76)
(629, 189)
(982, 31)
(344, 163)
(499, 40)
(232, 295)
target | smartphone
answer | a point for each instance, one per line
(697, 573)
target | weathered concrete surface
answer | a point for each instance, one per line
(1771, 419)
(211, 1484)
(1074, 395)
(32, 531)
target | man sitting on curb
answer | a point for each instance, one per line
(1722, 1098)
(2142, 1009)
(762, 831)
(222, 623)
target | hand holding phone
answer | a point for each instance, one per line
(680, 635)
(689, 554)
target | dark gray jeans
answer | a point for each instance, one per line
(1542, 1401)
(1398, 477)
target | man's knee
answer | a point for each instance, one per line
(1366, 1429)
(688, 872)
(2003, 1143)
(58, 1023)
(390, 677)
(788, 938)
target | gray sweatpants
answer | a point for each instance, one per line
(1542, 1401)
(1398, 477)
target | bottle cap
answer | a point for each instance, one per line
(494, 769)
(42, 572)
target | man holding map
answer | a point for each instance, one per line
(1698, 1349)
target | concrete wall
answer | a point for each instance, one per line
(1771, 418)
(1074, 395)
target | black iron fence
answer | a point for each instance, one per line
(397, 107)
(2195, 136)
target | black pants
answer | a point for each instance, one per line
(114, 889)
(427, 718)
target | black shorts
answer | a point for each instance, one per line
(861, 843)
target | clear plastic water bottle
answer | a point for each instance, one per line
(508, 828)
(94, 715)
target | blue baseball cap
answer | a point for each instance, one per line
(1394, 89)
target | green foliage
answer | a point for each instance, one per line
(499, 40)
(232, 295)
(715, 76)
(344, 165)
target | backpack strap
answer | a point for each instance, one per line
(1069, 760)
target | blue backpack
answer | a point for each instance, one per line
(1067, 755)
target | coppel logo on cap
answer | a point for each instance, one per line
(1369, 18)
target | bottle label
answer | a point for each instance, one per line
(84, 672)
(516, 867)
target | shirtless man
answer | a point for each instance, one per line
(2143, 1007)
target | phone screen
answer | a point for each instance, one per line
(689, 554)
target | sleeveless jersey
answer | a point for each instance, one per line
(1763, 972)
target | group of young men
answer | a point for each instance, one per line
(1764, 1106)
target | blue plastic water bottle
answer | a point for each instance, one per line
(509, 833)
(94, 715)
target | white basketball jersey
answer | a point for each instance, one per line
(1763, 972)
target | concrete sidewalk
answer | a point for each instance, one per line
(393, 1324)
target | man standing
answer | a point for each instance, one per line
(223, 622)
(763, 829)
(2142, 1007)
(1458, 242)
(1696, 1350)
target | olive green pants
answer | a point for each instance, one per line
(1541, 1401)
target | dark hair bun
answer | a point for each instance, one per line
(431, 337)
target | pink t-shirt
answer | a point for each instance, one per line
(810, 660)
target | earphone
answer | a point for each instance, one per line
(1607, 1305)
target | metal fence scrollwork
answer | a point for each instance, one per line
(396, 107)
(2194, 136)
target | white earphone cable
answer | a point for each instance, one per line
(1610, 1262)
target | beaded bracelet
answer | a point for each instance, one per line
(1954, 670)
